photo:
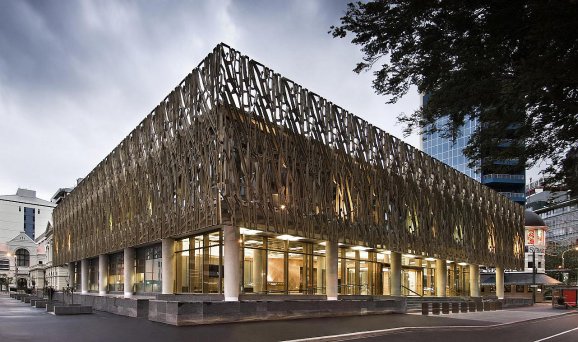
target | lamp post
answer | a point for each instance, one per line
(570, 249)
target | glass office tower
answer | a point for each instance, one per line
(510, 184)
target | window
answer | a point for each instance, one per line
(116, 272)
(39, 211)
(22, 257)
(519, 288)
(4, 264)
(20, 209)
(149, 269)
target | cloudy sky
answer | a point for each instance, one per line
(77, 76)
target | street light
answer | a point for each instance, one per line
(570, 249)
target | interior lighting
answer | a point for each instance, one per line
(282, 207)
(246, 231)
(387, 252)
(360, 248)
(409, 256)
(430, 259)
(288, 237)
(462, 263)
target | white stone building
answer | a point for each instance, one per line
(23, 212)
(20, 253)
(45, 274)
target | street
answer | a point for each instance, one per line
(554, 329)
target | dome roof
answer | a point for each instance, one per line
(531, 219)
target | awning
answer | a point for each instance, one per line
(518, 279)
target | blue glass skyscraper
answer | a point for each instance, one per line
(511, 184)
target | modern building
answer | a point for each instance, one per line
(23, 212)
(510, 184)
(242, 183)
(539, 195)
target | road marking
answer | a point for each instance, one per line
(381, 332)
(562, 333)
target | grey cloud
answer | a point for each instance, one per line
(77, 76)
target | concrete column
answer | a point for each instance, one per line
(474, 280)
(332, 255)
(232, 263)
(441, 277)
(168, 266)
(70, 276)
(258, 274)
(102, 274)
(84, 276)
(129, 271)
(500, 282)
(395, 273)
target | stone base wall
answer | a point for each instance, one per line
(193, 313)
(516, 302)
(130, 307)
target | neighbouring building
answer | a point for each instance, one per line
(17, 256)
(521, 284)
(45, 273)
(23, 212)
(539, 195)
(561, 216)
(509, 183)
(242, 183)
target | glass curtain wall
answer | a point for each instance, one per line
(458, 279)
(76, 279)
(199, 264)
(429, 274)
(116, 272)
(383, 283)
(149, 269)
(93, 275)
(276, 265)
(361, 272)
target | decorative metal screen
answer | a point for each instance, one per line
(237, 144)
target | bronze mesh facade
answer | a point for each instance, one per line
(237, 144)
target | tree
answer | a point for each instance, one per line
(512, 65)
(5, 281)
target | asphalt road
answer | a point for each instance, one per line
(21, 322)
(553, 329)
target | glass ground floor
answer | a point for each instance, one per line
(269, 264)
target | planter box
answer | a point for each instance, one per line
(72, 310)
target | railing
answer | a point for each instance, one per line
(410, 290)
(503, 176)
(513, 194)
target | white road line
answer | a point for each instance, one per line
(549, 337)
(381, 332)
